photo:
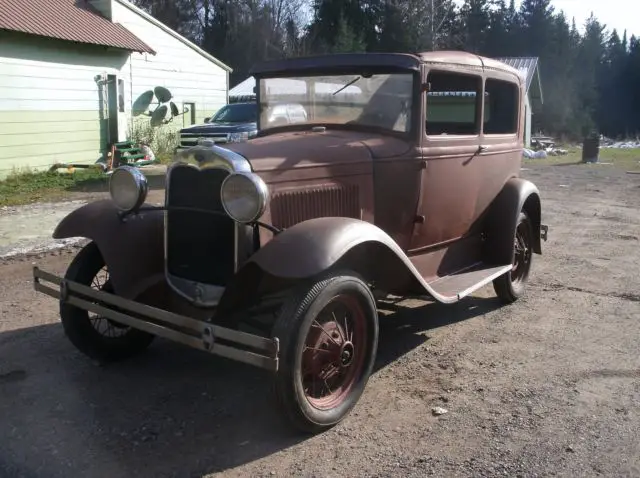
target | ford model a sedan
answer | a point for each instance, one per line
(403, 180)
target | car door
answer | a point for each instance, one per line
(452, 169)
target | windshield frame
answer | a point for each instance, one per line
(348, 73)
(232, 105)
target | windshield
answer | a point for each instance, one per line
(383, 101)
(236, 113)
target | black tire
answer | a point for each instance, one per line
(79, 325)
(353, 359)
(510, 286)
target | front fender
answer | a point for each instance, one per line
(133, 249)
(311, 247)
(517, 195)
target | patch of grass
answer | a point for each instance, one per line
(627, 159)
(29, 187)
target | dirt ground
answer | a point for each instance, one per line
(547, 386)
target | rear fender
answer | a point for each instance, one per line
(133, 249)
(315, 246)
(516, 196)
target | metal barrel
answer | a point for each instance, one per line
(591, 149)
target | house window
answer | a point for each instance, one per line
(501, 107)
(453, 104)
(121, 96)
(189, 117)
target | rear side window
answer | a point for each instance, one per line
(453, 104)
(500, 107)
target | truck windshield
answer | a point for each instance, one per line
(382, 101)
(236, 113)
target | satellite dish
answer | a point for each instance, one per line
(174, 109)
(163, 94)
(142, 103)
(158, 116)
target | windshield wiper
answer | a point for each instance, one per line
(347, 85)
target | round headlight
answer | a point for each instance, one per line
(128, 188)
(244, 197)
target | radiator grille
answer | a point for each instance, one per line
(291, 207)
(200, 246)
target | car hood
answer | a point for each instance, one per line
(213, 128)
(308, 149)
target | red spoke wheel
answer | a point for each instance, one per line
(510, 286)
(97, 337)
(328, 334)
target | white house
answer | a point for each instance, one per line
(529, 69)
(72, 74)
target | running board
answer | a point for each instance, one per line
(467, 281)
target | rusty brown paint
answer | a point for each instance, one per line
(428, 199)
(132, 249)
(429, 194)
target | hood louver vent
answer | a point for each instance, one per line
(291, 207)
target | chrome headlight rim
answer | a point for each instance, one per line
(262, 194)
(140, 183)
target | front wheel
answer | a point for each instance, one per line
(97, 337)
(328, 333)
(510, 286)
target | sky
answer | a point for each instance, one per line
(619, 14)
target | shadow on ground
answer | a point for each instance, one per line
(171, 412)
(571, 163)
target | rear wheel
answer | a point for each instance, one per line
(510, 286)
(329, 336)
(97, 337)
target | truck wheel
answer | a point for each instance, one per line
(328, 334)
(97, 337)
(510, 286)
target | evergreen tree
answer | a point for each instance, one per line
(475, 21)
(589, 62)
(346, 40)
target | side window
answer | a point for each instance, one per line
(453, 103)
(500, 107)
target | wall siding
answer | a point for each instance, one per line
(50, 101)
(52, 105)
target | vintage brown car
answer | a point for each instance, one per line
(403, 180)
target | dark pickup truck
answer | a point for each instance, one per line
(237, 122)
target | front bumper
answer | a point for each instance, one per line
(251, 349)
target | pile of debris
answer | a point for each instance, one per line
(610, 143)
(543, 146)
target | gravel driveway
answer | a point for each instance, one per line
(547, 386)
(27, 229)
